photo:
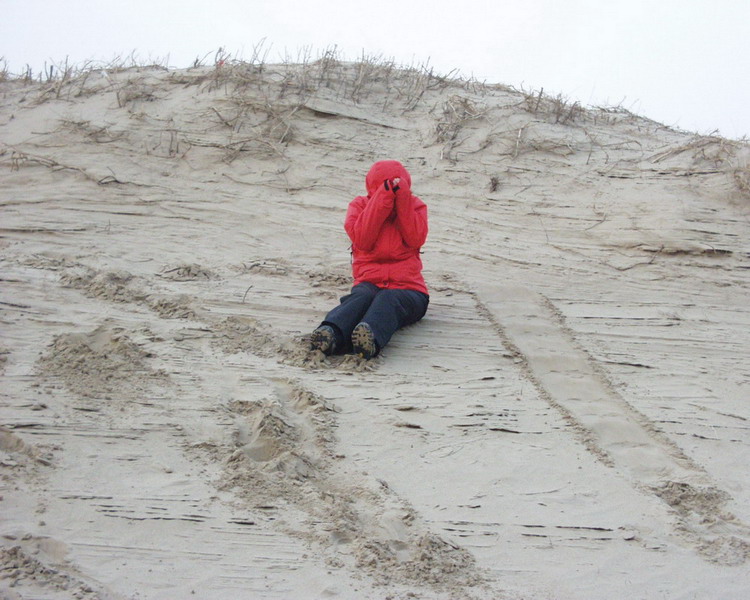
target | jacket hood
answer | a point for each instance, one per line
(382, 170)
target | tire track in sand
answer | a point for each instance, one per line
(621, 437)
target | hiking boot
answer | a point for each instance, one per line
(363, 341)
(323, 339)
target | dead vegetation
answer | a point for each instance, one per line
(101, 134)
(258, 103)
(717, 153)
(458, 111)
(64, 80)
(710, 149)
(528, 140)
(556, 109)
(303, 76)
(19, 159)
(261, 100)
(134, 90)
(261, 127)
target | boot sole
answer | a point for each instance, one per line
(363, 341)
(322, 339)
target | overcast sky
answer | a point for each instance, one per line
(685, 63)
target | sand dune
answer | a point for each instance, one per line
(569, 420)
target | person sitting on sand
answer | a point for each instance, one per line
(387, 229)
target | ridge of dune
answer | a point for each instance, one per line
(568, 421)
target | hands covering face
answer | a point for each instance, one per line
(398, 187)
(392, 184)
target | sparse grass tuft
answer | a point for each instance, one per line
(368, 70)
(133, 91)
(558, 109)
(64, 80)
(327, 67)
(457, 111)
(100, 134)
(715, 152)
(709, 149)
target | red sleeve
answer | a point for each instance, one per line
(365, 218)
(411, 220)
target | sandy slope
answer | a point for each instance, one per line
(570, 420)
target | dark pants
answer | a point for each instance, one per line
(384, 310)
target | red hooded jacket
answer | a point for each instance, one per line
(387, 230)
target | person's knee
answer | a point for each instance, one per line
(413, 305)
(422, 301)
(399, 305)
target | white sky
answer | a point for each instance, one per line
(685, 63)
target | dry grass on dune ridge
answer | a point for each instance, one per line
(264, 97)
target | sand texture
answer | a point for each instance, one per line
(570, 421)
